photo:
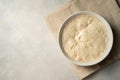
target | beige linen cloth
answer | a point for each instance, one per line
(106, 8)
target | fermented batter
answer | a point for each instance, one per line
(84, 38)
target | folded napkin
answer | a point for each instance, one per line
(107, 9)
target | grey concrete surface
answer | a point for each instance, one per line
(28, 50)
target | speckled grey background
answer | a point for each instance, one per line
(28, 50)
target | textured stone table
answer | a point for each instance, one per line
(28, 50)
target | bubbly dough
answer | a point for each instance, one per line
(84, 38)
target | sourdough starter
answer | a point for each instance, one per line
(84, 38)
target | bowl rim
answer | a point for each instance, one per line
(110, 36)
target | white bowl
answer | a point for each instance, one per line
(110, 36)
